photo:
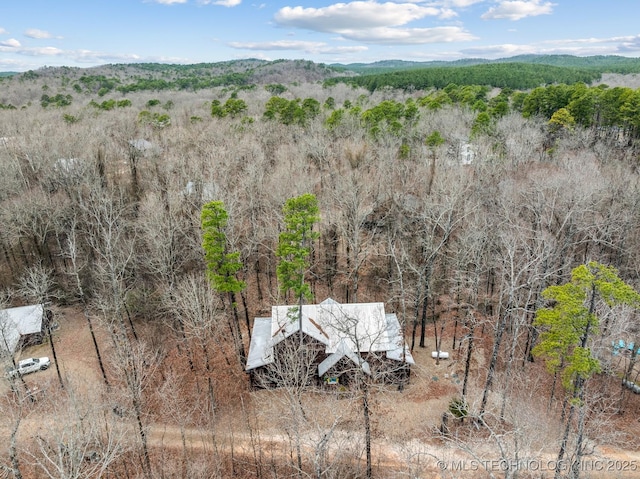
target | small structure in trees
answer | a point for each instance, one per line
(141, 145)
(340, 340)
(20, 327)
(467, 153)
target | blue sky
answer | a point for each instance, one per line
(83, 33)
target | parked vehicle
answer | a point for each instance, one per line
(30, 365)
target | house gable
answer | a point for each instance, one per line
(343, 336)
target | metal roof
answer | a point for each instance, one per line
(17, 322)
(259, 350)
(344, 329)
(396, 342)
(342, 351)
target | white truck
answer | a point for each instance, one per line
(29, 365)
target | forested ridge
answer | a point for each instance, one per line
(601, 63)
(520, 72)
(502, 75)
(500, 224)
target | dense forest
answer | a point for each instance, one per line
(522, 72)
(499, 220)
(502, 75)
(599, 63)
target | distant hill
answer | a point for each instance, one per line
(520, 72)
(394, 65)
(601, 63)
(160, 76)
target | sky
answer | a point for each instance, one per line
(85, 33)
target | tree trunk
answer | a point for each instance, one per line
(467, 363)
(455, 331)
(563, 444)
(414, 329)
(367, 427)
(492, 364)
(143, 438)
(95, 344)
(207, 365)
(627, 373)
(133, 329)
(438, 337)
(243, 296)
(236, 326)
(13, 450)
(55, 356)
(423, 321)
(575, 467)
(257, 270)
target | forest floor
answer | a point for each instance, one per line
(404, 423)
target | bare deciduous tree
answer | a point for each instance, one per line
(83, 441)
(36, 284)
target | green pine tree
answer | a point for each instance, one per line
(569, 326)
(294, 248)
(222, 265)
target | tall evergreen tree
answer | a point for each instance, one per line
(301, 213)
(222, 265)
(569, 326)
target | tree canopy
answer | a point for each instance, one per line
(222, 265)
(294, 243)
(572, 320)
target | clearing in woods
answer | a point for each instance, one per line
(404, 423)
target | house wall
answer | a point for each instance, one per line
(344, 370)
(36, 338)
(30, 340)
(388, 371)
(293, 364)
(290, 370)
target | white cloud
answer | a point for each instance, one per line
(38, 34)
(498, 51)
(600, 46)
(277, 45)
(308, 47)
(345, 49)
(615, 42)
(626, 45)
(447, 13)
(65, 57)
(461, 3)
(630, 46)
(169, 2)
(518, 9)
(354, 15)
(42, 52)
(7, 63)
(222, 3)
(11, 42)
(3, 31)
(409, 36)
(373, 22)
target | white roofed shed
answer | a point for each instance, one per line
(18, 323)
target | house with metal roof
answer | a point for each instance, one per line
(20, 327)
(338, 340)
